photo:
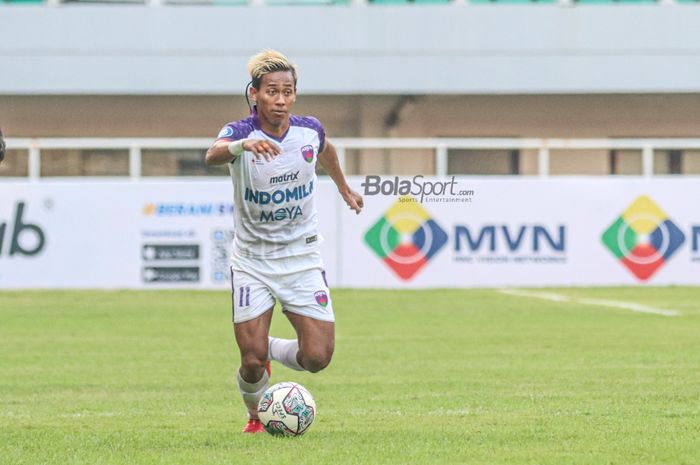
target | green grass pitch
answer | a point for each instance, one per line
(419, 377)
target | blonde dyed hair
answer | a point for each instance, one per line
(269, 61)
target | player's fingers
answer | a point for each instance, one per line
(270, 150)
(260, 151)
(360, 202)
(274, 148)
(268, 146)
(353, 205)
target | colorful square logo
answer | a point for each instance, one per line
(405, 237)
(307, 152)
(322, 298)
(643, 238)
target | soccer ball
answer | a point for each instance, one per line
(287, 409)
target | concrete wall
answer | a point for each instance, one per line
(417, 49)
(565, 116)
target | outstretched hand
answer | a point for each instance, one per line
(262, 148)
(353, 200)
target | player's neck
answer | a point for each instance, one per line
(274, 130)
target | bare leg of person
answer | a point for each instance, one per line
(251, 337)
(315, 343)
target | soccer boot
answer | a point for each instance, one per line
(254, 426)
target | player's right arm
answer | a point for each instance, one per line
(2, 147)
(225, 150)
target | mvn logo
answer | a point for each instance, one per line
(19, 244)
(405, 237)
(514, 238)
(643, 238)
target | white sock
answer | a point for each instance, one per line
(284, 351)
(252, 392)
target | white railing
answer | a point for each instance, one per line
(439, 147)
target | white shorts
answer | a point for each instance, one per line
(298, 282)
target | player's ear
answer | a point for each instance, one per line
(253, 95)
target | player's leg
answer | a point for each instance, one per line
(306, 301)
(252, 314)
(316, 341)
(285, 352)
(253, 379)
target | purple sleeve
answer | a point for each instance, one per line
(316, 124)
(311, 123)
(235, 131)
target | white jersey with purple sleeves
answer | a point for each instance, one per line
(275, 212)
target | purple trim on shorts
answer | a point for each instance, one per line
(311, 123)
(323, 273)
(233, 296)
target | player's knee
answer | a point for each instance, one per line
(316, 362)
(252, 366)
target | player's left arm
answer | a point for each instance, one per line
(328, 159)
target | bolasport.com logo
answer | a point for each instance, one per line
(417, 189)
(405, 238)
(643, 238)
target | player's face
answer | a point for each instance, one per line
(275, 97)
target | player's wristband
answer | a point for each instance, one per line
(236, 148)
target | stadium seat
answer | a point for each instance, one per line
(306, 2)
(403, 2)
(228, 2)
(512, 2)
(590, 2)
(207, 2)
(106, 2)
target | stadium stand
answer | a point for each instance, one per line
(404, 2)
(343, 2)
(527, 76)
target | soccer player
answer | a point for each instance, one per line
(272, 157)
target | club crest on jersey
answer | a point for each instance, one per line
(307, 152)
(321, 298)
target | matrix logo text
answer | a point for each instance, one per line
(417, 186)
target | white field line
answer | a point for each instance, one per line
(597, 302)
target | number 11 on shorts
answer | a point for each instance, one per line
(244, 296)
